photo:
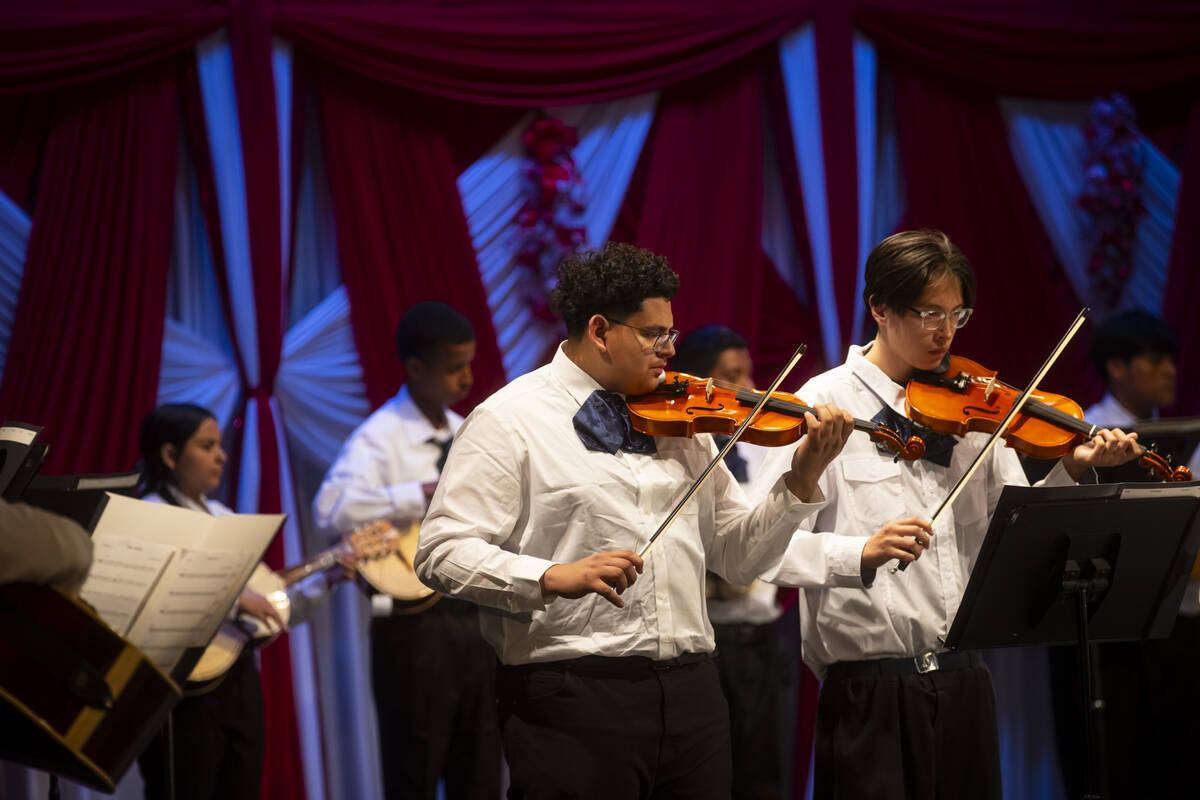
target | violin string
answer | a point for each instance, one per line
(737, 434)
(1006, 422)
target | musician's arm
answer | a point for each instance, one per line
(361, 488)
(40, 547)
(470, 539)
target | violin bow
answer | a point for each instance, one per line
(1006, 422)
(733, 440)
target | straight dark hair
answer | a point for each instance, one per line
(903, 265)
(697, 353)
(427, 326)
(170, 423)
(1128, 334)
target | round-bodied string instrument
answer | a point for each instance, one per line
(965, 397)
(684, 405)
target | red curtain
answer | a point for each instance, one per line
(773, 348)
(87, 338)
(74, 42)
(1041, 48)
(834, 33)
(100, 157)
(402, 235)
(1183, 279)
(254, 87)
(701, 207)
(961, 179)
(951, 60)
(26, 125)
(537, 52)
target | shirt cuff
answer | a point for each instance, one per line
(845, 562)
(408, 499)
(527, 572)
(794, 506)
(1058, 476)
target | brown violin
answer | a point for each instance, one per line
(965, 397)
(684, 405)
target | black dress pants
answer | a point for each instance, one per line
(752, 671)
(615, 728)
(218, 739)
(921, 736)
(435, 697)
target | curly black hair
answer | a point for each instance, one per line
(612, 281)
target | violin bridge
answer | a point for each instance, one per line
(991, 387)
(708, 390)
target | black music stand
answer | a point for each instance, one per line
(79, 497)
(1081, 564)
(20, 456)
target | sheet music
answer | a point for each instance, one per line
(172, 574)
(123, 572)
(191, 606)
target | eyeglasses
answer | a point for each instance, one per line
(935, 320)
(660, 338)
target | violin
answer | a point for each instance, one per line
(684, 405)
(963, 396)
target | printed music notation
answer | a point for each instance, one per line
(165, 577)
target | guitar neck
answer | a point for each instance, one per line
(318, 563)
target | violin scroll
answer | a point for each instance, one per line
(910, 450)
(1162, 469)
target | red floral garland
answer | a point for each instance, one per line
(549, 220)
(1112, 194)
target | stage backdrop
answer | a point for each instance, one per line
(239, 218)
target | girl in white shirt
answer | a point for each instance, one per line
(218, 737)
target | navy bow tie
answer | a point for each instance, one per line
(602, 423)
(733, 459)
(938, 446)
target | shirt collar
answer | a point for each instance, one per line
(417, 427)
(887, 390)
(186, 501)
(572, 377)
(1109, 413)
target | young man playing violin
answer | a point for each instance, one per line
(607, 687)
(897, 717)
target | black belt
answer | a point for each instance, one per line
(897, 667)
(609, 667)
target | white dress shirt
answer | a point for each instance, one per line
(381, 468)
(900, 613)
(757, 606)
(1109, 413)
(521, 493)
